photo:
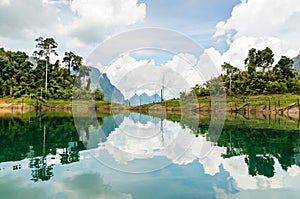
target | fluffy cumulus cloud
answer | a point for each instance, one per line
(261, 23)
(18, 20)
(76, 24)
(180, 73)
(94, 19)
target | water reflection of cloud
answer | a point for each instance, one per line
(150, 139)
(126, 147)
(179, 145)
(212, 162)
(70, 185)
(87, 185)
(238, 170)
(14, 187)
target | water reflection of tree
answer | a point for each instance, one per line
(70, 154)
(260, 165)
(38, 136)
(40, 169)
(16, 138)
(260, 145)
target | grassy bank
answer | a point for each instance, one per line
(258, 121)
(232, 101)
(49, 103)
(276, 100)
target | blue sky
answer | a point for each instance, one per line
(80, 25)
(195, 18)
(189, 13)
(225, 29)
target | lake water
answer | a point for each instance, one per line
(139, 156)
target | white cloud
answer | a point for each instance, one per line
(95, 20)
(77, 25)
(220, 29)
(4, 2)
(261, 18)
(258, 24)
(121, 66)
(18, 20)
(180, 73)
(184, 64)
(209, 64)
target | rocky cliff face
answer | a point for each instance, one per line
(113, 94)
(101, 81)
(297, 62)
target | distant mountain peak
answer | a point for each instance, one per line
(297, 62)
(101, 81)
(113, 94)
(144, 98)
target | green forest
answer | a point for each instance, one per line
(261, 76)
(35, 76)
(22, 75)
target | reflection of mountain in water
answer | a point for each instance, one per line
(143, 119)
(111, 123)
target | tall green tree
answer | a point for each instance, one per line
(45, 47)
(250, 61)
(259, 59)
(265, 59)
(284, 67)
(72, 61)
(230, 71)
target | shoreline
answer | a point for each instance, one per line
(293, 112)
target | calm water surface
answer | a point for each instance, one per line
(139, 156)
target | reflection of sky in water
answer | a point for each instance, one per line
(89, 179)
(189, 175)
